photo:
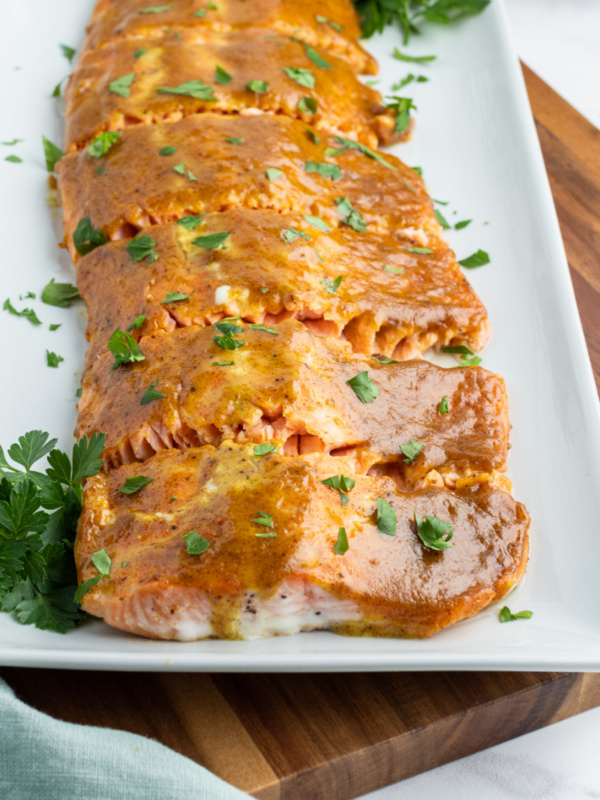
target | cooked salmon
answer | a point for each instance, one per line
(367, 287)
(190, 74)
(282, 385)
(332, 26)
(290, 570)
(214, 162)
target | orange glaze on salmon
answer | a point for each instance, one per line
(332, 26)
(336, 103)
(283, 385)
(211, 170)
(389, 300)
(246, 586)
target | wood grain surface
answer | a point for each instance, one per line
(334, 737)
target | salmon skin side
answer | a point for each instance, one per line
(245, 584)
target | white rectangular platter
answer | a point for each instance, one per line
(476, 143)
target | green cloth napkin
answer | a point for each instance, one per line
(44, 759)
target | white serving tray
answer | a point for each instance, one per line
(476, 142)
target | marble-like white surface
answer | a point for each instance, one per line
(560, 40)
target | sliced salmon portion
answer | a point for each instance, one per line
(245, 585)
(218, 162)
(284, 385)
(326, 95)
(332, 26)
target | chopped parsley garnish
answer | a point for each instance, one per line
(133, 485)
(211, 240)
(54, 326)
(263, 449)
(124, 348)
(137, 323)
(402, 107)
(307, 105)
(101, 560)
(363, 387)
(196, 544)
(316, 58)
(56, 90)
(223, 363)
(100, 169)
(225, 326)
(14, 159)
(462, 224)
(350, 144)
(506, 615)
(432, 531)
(102, 143)
(332, 286)
(413, 59)
(139, 53)
(196, 89)
(303, 77)
(168, 150)
(312, 135)
(408, 79)
(325, 21)
(376, 14)
(222, 76)
(424, 251)
(153, 9)
(59, 294)
(190, 222)
(12, 143)
(418, 170)
(142, 247)
(273, 173)
(28, 313)
(151, 394)
(323, 168)
(342, 486)
(260, 87)
(177, 297)
(38, 520)
(317, 222)
(52, 154)
(264, 519)
(86, 239)
(266, 535)
(441, 219)
(234, 139)
(385, 360)
(68, 52)
(264, 328)
(411, 450)
(227, 341)
(349, 215)
(291, 233)
(53, 359)
(121, 85)
(341, 546)
(393, 270)
(478, 259)
(443, 406)
(386, 517)
(467, 357)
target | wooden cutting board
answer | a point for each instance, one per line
(334, 737)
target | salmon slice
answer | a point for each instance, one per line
(284, 385)
(220, 162)
(326, 95)
(332, 26)
(247, 585)
(365, 287)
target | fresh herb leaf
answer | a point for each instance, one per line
(190, 222)
(332, 286)
(425, 251)
(273, 173)
(14, 159)
(441, 219)
(196, 89)
(264, 328)
(142, 247)
(342, 486)
(179, 168)
(478, 259)
(432, 531)
(414, 59)
(467, 357)
(59, 294)
(349, 215)
(506, 615)
(28, 313)
(223, 363)
(317, 222)
(264, 519)
(124, 348)
(153, 9)
(363, 387)
(263, 449)
(260, 87)
(386, 517)
(102, 562)
(52, 154)
(211, 240)
(411, 450)
(307, 105)
(234, 139)
(133, 485)
(86, 239)
(303, 77)
(222, 76)
(341, 546)
(312, 135)
(227, 342)
(12, 143)
(393, 270)
(139, 53)
(291, 233)
(443, 406)
(462, 224)
(54, 326)
(168, 150)
(102, 143)
(196, 544)
(137, 323)
(121, 85)
(402, 83)
(350, 144)
(68, 52)
(151, 394)
(385, 360)
(176, 297)
(228, 327)
(376, 14)
(325, 21)
(323, 168)
(418, 170)
(402, 107)
(316, 58)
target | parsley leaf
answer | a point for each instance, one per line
(317, 222)
(168, 150)
(363, 387)
(196, 544)
(424, 251)
(153, 9)
(196, 89)
(102, 562)
(478, 259)
(223, 363)
(441, 219)
(342, 486)
(260, 87)
(134, 484)
(350, 144)
(273, 173)
(211, 240)
(411, 450)
(467, 357)
(151, 394)
(341, 546)
(28, 313)
(264, 328)
(386, 517)
(462, 224)
(222, 76)
(59, 294)
(506, 615)
(121, 85)
(349, 215)
(291, 233)
(402, 107)
(443, 406)
(432, 531)
(264, 519)
(142, 247)
(177, 297)
(86, 239)
(376, 14)
(124, 348)
(102, 143)
(68, 52)
(307, 105)
(316, 58)
(190, 222)
(14, 159)
(263, 449)
(332, 286)
(325, 21)
(53, 359)
(393, 270)
(234, 139)
(227, 342)
(415, 59)
(323, 168)
(311, 134)
(139, 53)
(303, 77)
(137, 323)
(52, 154)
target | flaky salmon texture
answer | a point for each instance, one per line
(270, 560)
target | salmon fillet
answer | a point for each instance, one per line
(332, 26)
(326, 95)
(285, 386)
(245, 586)
(389, 300)
(221, 162)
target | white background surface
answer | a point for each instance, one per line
(560, 40)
